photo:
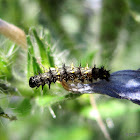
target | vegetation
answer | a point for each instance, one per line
(67, 32)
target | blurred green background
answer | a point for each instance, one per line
(101, 32)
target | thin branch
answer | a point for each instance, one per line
(99, 119)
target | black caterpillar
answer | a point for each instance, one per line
(69, 74)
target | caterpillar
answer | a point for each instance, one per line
(70, 75)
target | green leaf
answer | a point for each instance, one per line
(30, 46)
(29, 57)
(31, 60)
(48, 100)
(47, 34)
(25, 107)
(36, 67)
(50, 57)
(45, 51)
(42, 48)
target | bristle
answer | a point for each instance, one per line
(86, 68)
(56, 68)
(72, 66)
(42, 87)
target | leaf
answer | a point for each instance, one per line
(49, 100)
(25, 107)
(45, 51)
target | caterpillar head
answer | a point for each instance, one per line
(35, 81)
(32, 82)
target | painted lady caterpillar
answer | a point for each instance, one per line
(69, 75)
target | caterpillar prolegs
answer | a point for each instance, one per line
(69, 75)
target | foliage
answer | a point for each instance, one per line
(56, 113)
